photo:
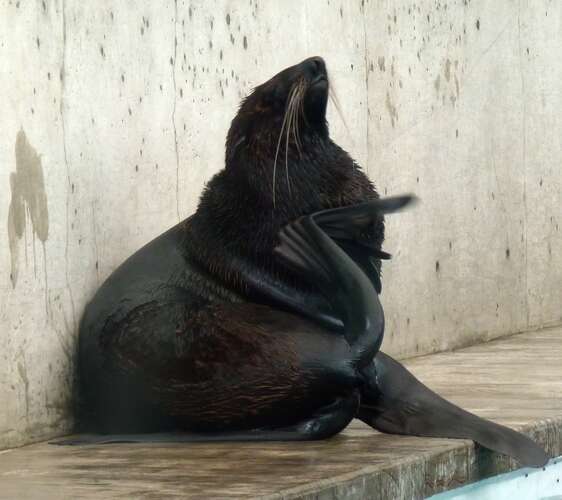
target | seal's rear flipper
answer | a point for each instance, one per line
(306, 249)
(401, 404)
(354, 228)
(348, 223)
(344, 222)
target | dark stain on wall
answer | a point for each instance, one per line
(29, 200)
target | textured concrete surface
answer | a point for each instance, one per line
(516, 381)
(114, 116)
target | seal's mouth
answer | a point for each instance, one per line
(319, 81)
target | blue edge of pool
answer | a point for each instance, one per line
(521, 484)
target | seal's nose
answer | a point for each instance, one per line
(314, 67)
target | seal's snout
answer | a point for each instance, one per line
(315, 69)
(313, 73)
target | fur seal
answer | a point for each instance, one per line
(258, 318)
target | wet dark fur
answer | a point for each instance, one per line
(149, 324)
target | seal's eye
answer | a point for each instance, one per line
(267, 100)
(273, 97)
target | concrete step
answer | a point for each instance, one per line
(516, 381)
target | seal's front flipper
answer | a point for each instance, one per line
(324, 423)
(398, 403)
(149, 437)
(92, 439)
(156, 437)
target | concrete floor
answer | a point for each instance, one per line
(516, 381)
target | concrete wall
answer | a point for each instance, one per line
(114, 116)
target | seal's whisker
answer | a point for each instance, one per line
(291, 109)
(287, 133)
(290, 125)
(283, 124)
(298, 115)
(336, 102)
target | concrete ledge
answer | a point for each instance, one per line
(516, 381)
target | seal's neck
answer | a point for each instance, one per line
(237, 217)
(280, 165)
(292, 180)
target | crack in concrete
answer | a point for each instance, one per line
(368, 117)
(47, 315)
(501, 195)
(482, 54)
(22, 371)
(96, 247)
(174, 109)
(524, 159)
(67, 165)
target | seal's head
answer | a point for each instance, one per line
(281, 164)
(279, 112)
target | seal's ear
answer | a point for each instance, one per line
(234, 149)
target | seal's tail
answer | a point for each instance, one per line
(403, 405)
